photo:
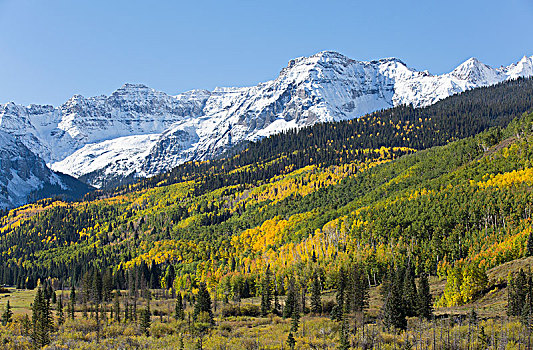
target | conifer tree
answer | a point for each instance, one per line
(344, 343)
(359, 287)
(7, 315)
(517, 293)
(393, 314)
(72, 302)
(266, 292)
(316, 298)
(170, 275)
(295, 318)
(425, 301)
(116, 307)
(41, 319)
(291, 342)
(338, 309)
(529, 247)
(292, 299)
(179, 312)
(145, 319)
(60, 314)
(410, 295)
(203, 302)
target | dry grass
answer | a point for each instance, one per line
(19, 299)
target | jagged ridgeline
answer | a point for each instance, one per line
(453, 118)
(464, 205)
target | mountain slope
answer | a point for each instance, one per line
(80, 136)
(25, 177)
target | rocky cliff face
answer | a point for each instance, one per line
(25, 177)
(138, 131)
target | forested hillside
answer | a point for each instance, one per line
(326, 144)
(443, 191)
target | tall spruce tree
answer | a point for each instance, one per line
(316, 298)
(340, 296)
(359, 289)
(529, 247)
(170, 275)
(203, 302)
(292, 299)
(145, 319)
(266, 292)
(72, 302)
(116, 306)
(60, 314)
(425, 301)
(410, 295)
(179, 313)
(41, 319)
(517, 293)
(393, 314)
(7, 315)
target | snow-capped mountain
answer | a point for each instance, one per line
(137, 131)
(25, 177)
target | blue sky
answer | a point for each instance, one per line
(50, 50)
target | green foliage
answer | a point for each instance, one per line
(203, 302)
(41, 319)
(291, 302)
(316, 299)
(7, 315)
(145, 320)
(393, 311)
(291, 342)
(179, 312)
(266, 292)
(520, 295)
(424, 298)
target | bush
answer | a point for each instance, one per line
(159, 329)
(231, 310)
(327, 307)
(250, 310)
(245, 310)
(225, 327)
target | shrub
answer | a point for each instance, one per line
(159, 329)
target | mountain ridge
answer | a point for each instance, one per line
(78, 137)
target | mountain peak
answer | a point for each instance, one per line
(474, 71)
(133, 87)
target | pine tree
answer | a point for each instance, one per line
(266, 292)
(359, 286)
(179, 312)
(393, 314)
(410, 295)
(295, 318)
(291, 342)
(424, 302)
(340, 297)
(292, 299)
(517, 293)
(529, 248)
(316, 298)
(60, 314)
(170, 275)
(145, 320)
(72, 302)
(203, 302)
(7, 315)
(116, 306)
(344, 343)
(41, 319)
